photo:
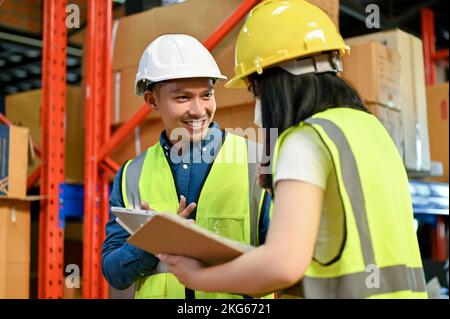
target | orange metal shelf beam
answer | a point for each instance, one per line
(230, 22)
(440, 55)
(124, 130)
(34, 177)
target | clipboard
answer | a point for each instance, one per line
(172, 234)
(131, 220)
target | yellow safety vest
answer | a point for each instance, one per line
(228, 204)
(380, 257)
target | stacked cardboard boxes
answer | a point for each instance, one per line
(14, 213)
(14, 248)
(437, 102)
(374, 71)
(24, 109)
(412, 93)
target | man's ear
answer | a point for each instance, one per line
(149, 97)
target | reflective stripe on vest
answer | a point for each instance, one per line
(161, 284)
(355, 285)
(401, 280)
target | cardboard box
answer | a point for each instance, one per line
(392, 121)
(14, 280)
(198, 18)
(14, 248)
(437, 102)
(374, 71)
(148, 132)
(24, 109)
(13, 160)
(412, 86)
(125, 102)
(331, 7)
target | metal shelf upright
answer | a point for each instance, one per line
(51, 233)
(97, 121)
(431, 56)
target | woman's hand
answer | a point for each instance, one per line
(184, 268)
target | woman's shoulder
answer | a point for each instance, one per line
(304, 136)
(304, 156)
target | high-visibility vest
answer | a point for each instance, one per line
(380, 257)
(228, 203)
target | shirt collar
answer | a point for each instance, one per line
(210, 142)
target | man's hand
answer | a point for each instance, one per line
(182, 211)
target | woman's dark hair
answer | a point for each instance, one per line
(287, 100)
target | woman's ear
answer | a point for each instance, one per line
(149, 98)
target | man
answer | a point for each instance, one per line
(182, 175)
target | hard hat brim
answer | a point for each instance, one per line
(236, 83)
(140, 91)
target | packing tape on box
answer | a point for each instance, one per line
(117, 75)
(14, 215)
(418, 147)
(113, 36)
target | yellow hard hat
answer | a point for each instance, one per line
(281, 30)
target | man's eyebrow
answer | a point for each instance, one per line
(183, 91)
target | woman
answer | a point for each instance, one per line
(342, 223)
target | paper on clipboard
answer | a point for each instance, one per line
(172, 234)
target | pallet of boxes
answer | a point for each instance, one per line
(14, 213)
(387, 70)
(198, 18)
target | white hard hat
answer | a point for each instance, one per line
(175, 56)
